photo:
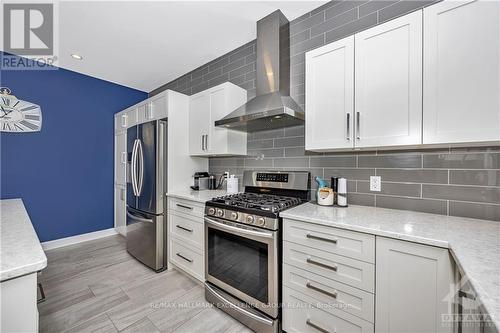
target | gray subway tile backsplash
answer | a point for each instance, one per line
(398, 189)
(455, 181)
(414, 175)
(463, 161)
(415, 204)
(475, 210)
(475, 177)
(462, 193)
(390, 161)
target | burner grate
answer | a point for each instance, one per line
(266, 202)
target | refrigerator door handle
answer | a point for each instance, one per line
(141, 168)
(133, 168)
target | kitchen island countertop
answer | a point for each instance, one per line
(20, 250)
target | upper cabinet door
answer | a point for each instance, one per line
(388, 83)
(121, 158)
(199, 123)
(330, 96)
(462, 72)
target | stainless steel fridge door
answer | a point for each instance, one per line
(131, 166)
(147, 158)
(145, 238)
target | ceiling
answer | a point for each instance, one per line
(145, 44)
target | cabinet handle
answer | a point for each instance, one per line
(330, 240)
(348, 137)
(310, 286)
(181, 256)
(317, 327)
(149, 110)
(203, 142)
(358, 136)
(320, 264)
(124, 157)
(122, 194)
(464, 294)
(182, 206)
(206, 141)
(42, 293)
(185, 229)
(124, 120)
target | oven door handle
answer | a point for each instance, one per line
(239, 309)
(240, 231)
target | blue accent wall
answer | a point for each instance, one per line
(64, 174)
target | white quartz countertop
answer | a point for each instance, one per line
(20, 249)
(475, 244)
(198, 196)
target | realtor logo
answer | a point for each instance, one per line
(28, 29)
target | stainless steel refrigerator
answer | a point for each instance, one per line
(146, 185)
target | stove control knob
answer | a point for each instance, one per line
(220, 213)
(249, 219)
(261, 221)
(234, 215)
(211, 211)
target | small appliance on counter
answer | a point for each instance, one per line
(200, 181)
(232, 185)
(324, 194)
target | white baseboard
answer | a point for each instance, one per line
(54, 244)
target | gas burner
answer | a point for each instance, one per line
(265, 202)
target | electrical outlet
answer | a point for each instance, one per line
(375, 183)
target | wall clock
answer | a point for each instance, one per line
(17, 115)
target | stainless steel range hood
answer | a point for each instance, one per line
(272, 107)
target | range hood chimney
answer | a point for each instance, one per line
(272, 107)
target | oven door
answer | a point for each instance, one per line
(243, 261)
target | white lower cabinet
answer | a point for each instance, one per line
(414, 287)
(186, 236)
(304, 314)
(120, 209)
(328, 285)
(18, 304)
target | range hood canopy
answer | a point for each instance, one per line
(272, 107)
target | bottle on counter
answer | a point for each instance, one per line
(335, 184)
(342, 192)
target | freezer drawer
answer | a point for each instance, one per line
(146, 238)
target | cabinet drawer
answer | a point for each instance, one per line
(353, 272)
(335, 294)
(346, 243)
(187, 207)
(187, 259)
(187, 229)
(302, 314)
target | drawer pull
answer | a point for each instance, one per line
(181, 256)
(327, 293)
(319, 328)
(320, 264)
(182, 206)
(330, 240)
(185, 229)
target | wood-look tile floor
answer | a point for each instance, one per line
(97, 286)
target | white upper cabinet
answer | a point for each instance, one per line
(388, 83)
(199, 123)
(205, 139)
(330, 96)
(462, 72)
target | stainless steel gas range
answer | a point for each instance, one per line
(243, 246)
